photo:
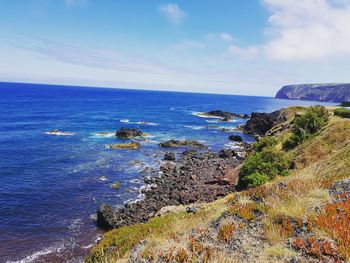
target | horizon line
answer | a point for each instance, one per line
(135, 89)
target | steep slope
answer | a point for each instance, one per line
(301, 217)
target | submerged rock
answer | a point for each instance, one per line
(125, 133)
(131, 146)
(182, 143)
(115, 185)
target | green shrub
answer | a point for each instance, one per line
(345, 104)
(255, 179)
(345, 113)
(306, 125)
(263, 166)
(264, 142)
(291, 142)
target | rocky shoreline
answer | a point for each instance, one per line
(194, 176)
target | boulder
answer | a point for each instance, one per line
(169, 156)
(227, 153)
(260, 123)
(125, 133)
(106, 217)
(235, 138)
(181, 143)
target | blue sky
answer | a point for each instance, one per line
(248, 47)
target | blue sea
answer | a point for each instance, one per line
(51, 185)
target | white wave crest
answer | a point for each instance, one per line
(193, 127)
(104, 134)
(204, 115)
(33, 257)
(139, 122)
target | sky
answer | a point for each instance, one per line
(245, 47)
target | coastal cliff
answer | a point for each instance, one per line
(317, 92)
(293, 205)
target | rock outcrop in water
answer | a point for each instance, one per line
(318, 92)
(182, 143)
(260, 123)
(125, 133)
(225, 115)
(131, 146)
(196, 177)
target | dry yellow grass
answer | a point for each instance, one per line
(319, 162)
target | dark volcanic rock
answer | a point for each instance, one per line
(184, 143)
(319, 92)
(125, 133)
(225, 115)
(260, 123)
(235, 138)
(227, 153)
(196, 177)
(106, 217)
(169, 156)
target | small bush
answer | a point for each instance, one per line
(247, 211)
(306, 125)
(267, 141)
(263, 166)
(226, 232)
(345, 104)
(344, 113)
(291, 142)
(255, 179)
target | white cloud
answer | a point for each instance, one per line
(172, 12)
(226, 37)
(247, 52)
(308, 29)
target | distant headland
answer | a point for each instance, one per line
(318, 92)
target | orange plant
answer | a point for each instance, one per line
(181, 256)
(317, 247)
(335, 221)
(226, 232)
(245, 211)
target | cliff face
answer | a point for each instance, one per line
(319, 92)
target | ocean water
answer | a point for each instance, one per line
(51, 185)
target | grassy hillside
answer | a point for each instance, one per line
(293, 216)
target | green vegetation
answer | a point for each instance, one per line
(268, 141)
(285, 202)
(344, 113)
(263, 166)
(268, 161)
(345, 104)
(304, 126)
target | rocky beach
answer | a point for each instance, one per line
(194, 176)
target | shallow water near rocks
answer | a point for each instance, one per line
(51, 185)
